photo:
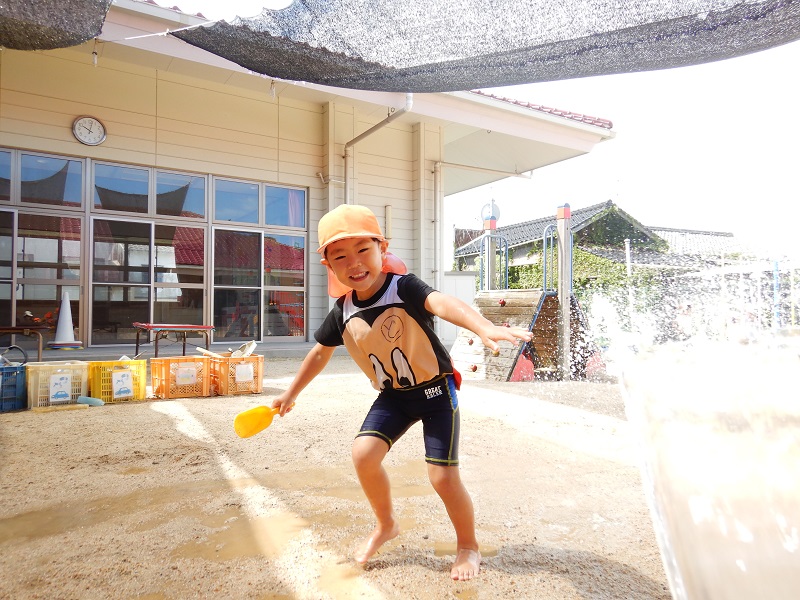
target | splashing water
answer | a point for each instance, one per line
(709, 370)
(718, 425)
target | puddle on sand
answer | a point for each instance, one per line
(231, 533)
(58, 519)
(240, 537)
(235, 535)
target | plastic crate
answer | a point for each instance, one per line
(12, 388)
(56, 382)
(181, 376)
(244, 375)
(118, 380)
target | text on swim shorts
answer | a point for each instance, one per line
(434, 391)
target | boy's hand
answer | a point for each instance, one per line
(284, 402)
(491, 334)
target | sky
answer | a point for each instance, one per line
(709, 147)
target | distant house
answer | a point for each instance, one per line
(601, 230)
(712, 274)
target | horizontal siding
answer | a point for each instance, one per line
(301, 124)
(389, 141)
(78, 82)
(181, 121)
(239, 114)
(161, 119)
(385, 166)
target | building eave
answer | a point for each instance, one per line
(492, 138)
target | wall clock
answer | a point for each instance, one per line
(89, 130)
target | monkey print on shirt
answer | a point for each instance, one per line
(391, 335)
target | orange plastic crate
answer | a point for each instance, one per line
(181, 376)
(244, 375)
(101, 379)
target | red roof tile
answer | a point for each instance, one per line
(596, 121)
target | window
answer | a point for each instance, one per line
(5, 175)
(284, 260)
(48, 247)
(237, 264)
(6, 245)
(6, 254)
(121, 252)
(235, 201)
(284, 282)
(47, 251)
(44, 302)
(284, 313)
(152, 241)
(54, 181)
(121, 188)
(121, 265)
(179, 195)
(285, 206)
(179, 274)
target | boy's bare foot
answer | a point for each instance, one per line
(467, 565)
(380, 535)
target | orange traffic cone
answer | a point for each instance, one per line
(65, 336)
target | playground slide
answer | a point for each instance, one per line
(533, 309)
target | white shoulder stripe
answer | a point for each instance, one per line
(389, 297)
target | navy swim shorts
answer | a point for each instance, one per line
(434, 403)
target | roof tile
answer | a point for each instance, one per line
(596, 121)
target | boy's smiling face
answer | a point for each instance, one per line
(357, 263)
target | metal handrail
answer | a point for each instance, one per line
(503, 248)
(548, 247)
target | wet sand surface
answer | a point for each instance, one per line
(160, 499)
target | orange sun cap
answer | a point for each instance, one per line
(348, 221)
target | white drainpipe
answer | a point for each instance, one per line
(438, 226)
(367, 133)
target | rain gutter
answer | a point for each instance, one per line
(347, 154)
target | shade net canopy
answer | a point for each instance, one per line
(50, 24)
(449, 45)
(446, 45)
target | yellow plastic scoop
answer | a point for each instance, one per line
(249, 422)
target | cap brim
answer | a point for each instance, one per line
(345, 236)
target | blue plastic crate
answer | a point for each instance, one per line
(12, 389)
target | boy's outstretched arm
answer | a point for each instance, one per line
(459, 313)
(312, 365)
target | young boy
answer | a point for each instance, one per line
(386, 323)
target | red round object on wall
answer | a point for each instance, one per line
(473, 368)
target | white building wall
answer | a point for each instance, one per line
(176, 121)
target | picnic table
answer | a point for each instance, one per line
(29, 331)
(162, 330)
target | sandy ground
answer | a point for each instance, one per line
(160, 499)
